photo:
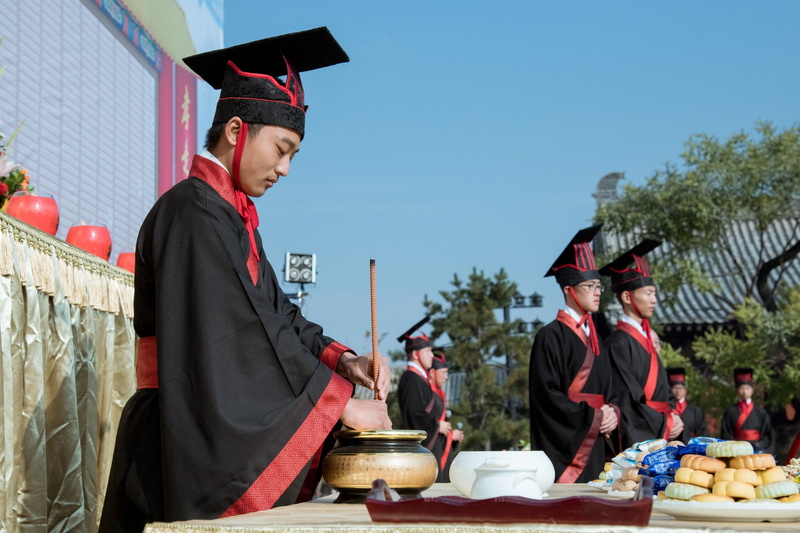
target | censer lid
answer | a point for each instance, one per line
(381, 434)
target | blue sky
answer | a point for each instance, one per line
(473, 134)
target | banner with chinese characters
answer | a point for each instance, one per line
(185, 122)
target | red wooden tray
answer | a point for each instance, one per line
(582, 510)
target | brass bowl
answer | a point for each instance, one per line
(396, 456)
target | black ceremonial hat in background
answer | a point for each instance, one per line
(439, 359)
(247, 76)
(743, 376)
(576, 263)
(628, 278)
(676, 376)
(415, 343)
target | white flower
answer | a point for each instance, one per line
(6, 165)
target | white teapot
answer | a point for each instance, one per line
(497, 478)
(462, 471)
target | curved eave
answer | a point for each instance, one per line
(165, 22)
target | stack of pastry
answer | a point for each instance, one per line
(730, 471)
(628, 480)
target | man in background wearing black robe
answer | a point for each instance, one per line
(645, 398)
(571, 394)
(420, 407)
(437, 377)
(745, 420)
(694, 420)
(238, 393)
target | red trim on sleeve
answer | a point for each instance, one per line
(301, 448)
(331, 354)
(147, 363)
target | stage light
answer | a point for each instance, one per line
(300, 268)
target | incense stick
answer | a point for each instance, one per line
(374, 315)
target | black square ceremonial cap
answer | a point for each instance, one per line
(247, 75)
(625, 277)
(439, 360)
(676, 376)
(576, 263)
(415, 343)
(743, 376)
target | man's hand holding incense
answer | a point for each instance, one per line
(366, 414)
(358, 370)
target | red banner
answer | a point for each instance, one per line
(185, 122)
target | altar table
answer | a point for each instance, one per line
(324, 516)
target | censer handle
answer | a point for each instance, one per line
(374, 315)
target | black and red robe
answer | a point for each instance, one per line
(645, 397)
(751, 423)
(421, 409)
(242, 404)
(568, 385)
(449, 446)
(694, 420)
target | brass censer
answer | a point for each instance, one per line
(396, 456)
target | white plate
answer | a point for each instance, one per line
(602, 485)
(729, 511)
(622, 494)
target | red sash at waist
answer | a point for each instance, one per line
(594, 400)
(661, 407)
(747, 434)
(147, 364)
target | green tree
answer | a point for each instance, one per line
(694, 209)
(769, 343)
(749, 183)
(494, 411)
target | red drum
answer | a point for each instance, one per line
(40, 211)
(93, 239)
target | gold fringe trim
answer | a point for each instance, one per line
(48, 264)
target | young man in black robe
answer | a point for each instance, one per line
(237, 392)
(437, 377)
(694, 419)
(745, 420)
(645, 398)
(420, 407)
(571, 395)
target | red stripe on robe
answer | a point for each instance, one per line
(652, 376)
(745, 409)
(301, 448)
(579, 460)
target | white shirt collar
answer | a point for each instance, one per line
(418, 367)
(574, 314)
(208, 155)
(632, 322)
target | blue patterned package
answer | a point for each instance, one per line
(664, 468)
(660, 482)
(667, 453)
(697, 446)
(704, 440)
